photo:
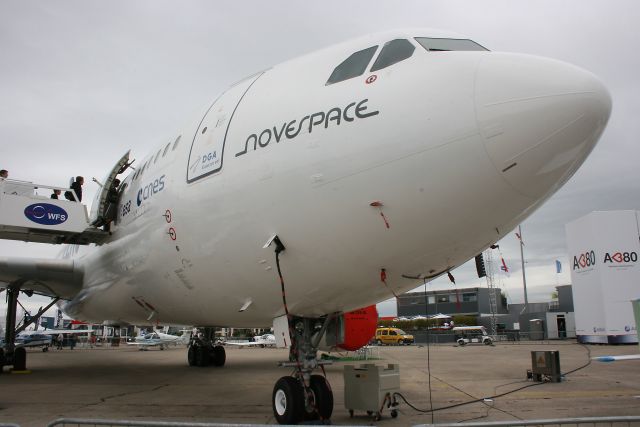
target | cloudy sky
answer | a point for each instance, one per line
(81, 82)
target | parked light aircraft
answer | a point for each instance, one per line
(158, 339)
(328, 183)
(42, 338)
(266, 340)
(34, 340)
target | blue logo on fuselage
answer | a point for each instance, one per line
(46, 214)
(150, 189)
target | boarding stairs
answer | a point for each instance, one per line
(27, 214)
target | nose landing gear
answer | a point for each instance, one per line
(303, 396)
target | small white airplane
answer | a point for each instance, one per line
(26, 339)
(42, 338)
(322, 185)
(266, 340)
(158, 339)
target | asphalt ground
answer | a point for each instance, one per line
(125, 383)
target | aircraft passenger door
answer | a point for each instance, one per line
(207, 148)
(100, 202)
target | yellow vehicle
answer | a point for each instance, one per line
(390, 336)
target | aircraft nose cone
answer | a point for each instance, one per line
(540, 118)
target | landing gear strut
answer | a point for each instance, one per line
(203, 351)
(303, 396)
(12, 356)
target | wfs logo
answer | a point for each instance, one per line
(46, 214)
(620, 257)
(584, 260)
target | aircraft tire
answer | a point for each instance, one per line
(191, 356)
(287, 401)
(202, 356)
(218, 356)
(323, 397)
(20, 359)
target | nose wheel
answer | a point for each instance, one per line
(303, 396)
(293, 404)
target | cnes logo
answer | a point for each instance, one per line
(584, 260)
(620, 257)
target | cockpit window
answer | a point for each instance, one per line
(440, 45)
(392, 53)
(353, 66)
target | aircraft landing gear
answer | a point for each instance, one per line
(12, 356)
(204, 352)
(303, 396)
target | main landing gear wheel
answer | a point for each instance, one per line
(191, 355)
(202, 356)
(322, 405)
(288, 401)
(218, 356)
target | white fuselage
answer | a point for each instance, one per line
(456, 147)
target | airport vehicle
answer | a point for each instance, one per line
(322, 185)
(393, 336)
(471, 334)
(265, 340)
(158, 339)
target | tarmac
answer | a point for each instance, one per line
(125, 383)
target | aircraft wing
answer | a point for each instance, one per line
(241, 343)
(52, 277)
(63, 331)
(144, 344)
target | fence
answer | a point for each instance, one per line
(590, 421)
(585, 421)
(511, 337)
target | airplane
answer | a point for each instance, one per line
(266, 340)
(322, 185)
(42, 338)
(158, 339)
(34, 340)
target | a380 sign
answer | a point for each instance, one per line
(588, 259)
(584, 260)
(620, 257)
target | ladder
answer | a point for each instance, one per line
(493, 303)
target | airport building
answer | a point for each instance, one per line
(544, 320)
(603, 254)
(467, 302)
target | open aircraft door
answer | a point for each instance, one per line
(97, 217)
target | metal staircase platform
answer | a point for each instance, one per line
(30, 217)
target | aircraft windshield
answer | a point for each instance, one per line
(443, 45)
